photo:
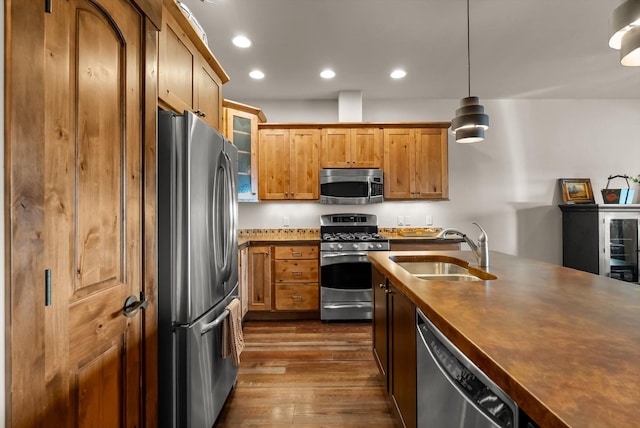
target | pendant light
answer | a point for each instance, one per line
(470, 121)
(624, 28)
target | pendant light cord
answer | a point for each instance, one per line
(468, 51)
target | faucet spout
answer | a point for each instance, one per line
(479, 250)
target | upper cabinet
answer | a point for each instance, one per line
(413, 156)
(241, 127)
(288, 164)
(351, 148)
(416, 162)
(189, 75)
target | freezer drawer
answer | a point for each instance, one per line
(194, 379)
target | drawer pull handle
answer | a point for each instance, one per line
(296, 272)
(296, 253)
(297, 298)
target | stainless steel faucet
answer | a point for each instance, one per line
(479, 250)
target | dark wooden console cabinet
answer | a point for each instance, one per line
(601, 239)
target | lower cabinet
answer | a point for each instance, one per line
(402, 355)
(283, 278)
(296, 280)
(243, 279)
(394, 345)
(379, 321)
(259, 287)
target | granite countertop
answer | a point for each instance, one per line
(564, 344)
(264, 236)
(287, 235)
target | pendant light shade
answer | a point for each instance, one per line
(470, 115)
(470, 135)
(630, 49)
(470, 121)
(624, 33)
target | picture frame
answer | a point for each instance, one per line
(576, 191)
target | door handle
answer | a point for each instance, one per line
(132, 305)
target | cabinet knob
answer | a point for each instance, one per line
(381, 285)
(203, 114)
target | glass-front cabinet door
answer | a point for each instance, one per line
(619, 243)
(241, 128)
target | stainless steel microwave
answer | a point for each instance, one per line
(357, 186)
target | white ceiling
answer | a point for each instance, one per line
(519, 48)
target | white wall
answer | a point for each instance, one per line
(508, 183)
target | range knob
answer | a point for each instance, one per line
(339, 247)
(355, 246)
(331, 246)
(378, 245)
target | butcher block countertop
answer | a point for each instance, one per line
(564, 344)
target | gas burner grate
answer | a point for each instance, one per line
(355, 236)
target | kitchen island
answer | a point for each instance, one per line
(564, 344)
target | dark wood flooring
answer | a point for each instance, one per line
(307, 374)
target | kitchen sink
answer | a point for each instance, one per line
(432, 268)
(450, 277)
(441, 268)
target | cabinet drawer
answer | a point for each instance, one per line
(297, 252)
(297, 297)
(296, 271)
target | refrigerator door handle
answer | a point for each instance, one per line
(229, 220)
(215, 323)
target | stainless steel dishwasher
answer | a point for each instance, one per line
(452, 391)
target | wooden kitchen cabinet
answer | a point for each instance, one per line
(189, 75)
(240, 126)
(259, 275)
(402, 355)
(243, 279)
(351, 148)
(416, 163)
(394, 345)
(379, 321)
(296, 279)
(288, 164)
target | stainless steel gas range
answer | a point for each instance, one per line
(345, 270)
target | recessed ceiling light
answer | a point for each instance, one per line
(398, 74)
(328, 74)
(241, 41)
(256, 74)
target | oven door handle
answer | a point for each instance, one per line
(347, 306)
(328, 256)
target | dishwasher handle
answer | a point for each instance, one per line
(469, 373)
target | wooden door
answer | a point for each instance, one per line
(431, 163)
(399, 163)
(80, 362)
(273, 164)
(366, 148)
(304, 182)
(335, 148)
(208, 105)
(259, 278)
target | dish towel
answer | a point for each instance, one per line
(232, 338)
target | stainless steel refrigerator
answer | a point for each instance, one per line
(197, 268)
